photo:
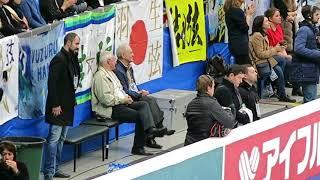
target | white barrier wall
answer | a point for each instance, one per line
(282, 146)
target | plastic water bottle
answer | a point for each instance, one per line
(116, 166)
(110, 168)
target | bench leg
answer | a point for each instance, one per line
(79, 150)
(75, 157)
(103, 144)
(117, 132)
(107, 144)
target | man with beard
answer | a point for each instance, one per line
(249, 92)
(63, 80)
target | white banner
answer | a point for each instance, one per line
(93, 39)
(139, 24)
(9, 78)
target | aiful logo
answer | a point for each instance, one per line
(289, 151)
(248, 165)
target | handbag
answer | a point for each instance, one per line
(218, 130)
(263, 69)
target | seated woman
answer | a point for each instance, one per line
(10, 168)
(276, 36)
(204, 111)
(17, 14)
(227, 93)
(262, 57)
(10, 22)
(307, 55)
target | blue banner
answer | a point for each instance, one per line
(35, 55)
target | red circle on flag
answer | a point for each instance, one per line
(139, 41)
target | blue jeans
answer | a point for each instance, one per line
(281, 91)
(55, 139)
(279, 82)
(282, 62)
(309, 91)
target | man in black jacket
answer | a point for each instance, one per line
(63, 80)
(248, 91)
(227, 92)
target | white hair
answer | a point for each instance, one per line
(104, 57)
(121, 49)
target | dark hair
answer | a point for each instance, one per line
(257, 25)
(308, 11)
(203, 82)
(70, 37)
(9, 146)
(270, 12)
(235, 69)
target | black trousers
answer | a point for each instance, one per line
(138, 113)
(156, 112)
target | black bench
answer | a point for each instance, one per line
(105, 122)
(82, 133)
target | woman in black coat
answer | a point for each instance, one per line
(238, 26)
(10, 24)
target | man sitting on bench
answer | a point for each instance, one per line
(110, 101)
(125, 74)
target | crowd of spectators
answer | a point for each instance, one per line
(276, 54)
(18, 16)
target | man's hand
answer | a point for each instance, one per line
(56, 111)
(12, 165)
(129, 100)
(144, 92)
(67, 3)
(251, 9)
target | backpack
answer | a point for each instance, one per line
(216, 68)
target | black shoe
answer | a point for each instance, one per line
(288, 85)
(152, 143)
(287, 99)
(297, 92)
(60, 174)
(155, 132)
(140, 151)
(169, 132)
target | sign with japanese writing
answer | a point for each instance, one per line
(139, 24)
(96, 32)
(216, 19)
(187, 28)
(288, 151)
(9, 57)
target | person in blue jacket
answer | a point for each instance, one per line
(125, 74)
(307, 55)
(31, 11)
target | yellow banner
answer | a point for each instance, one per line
(187, 28)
